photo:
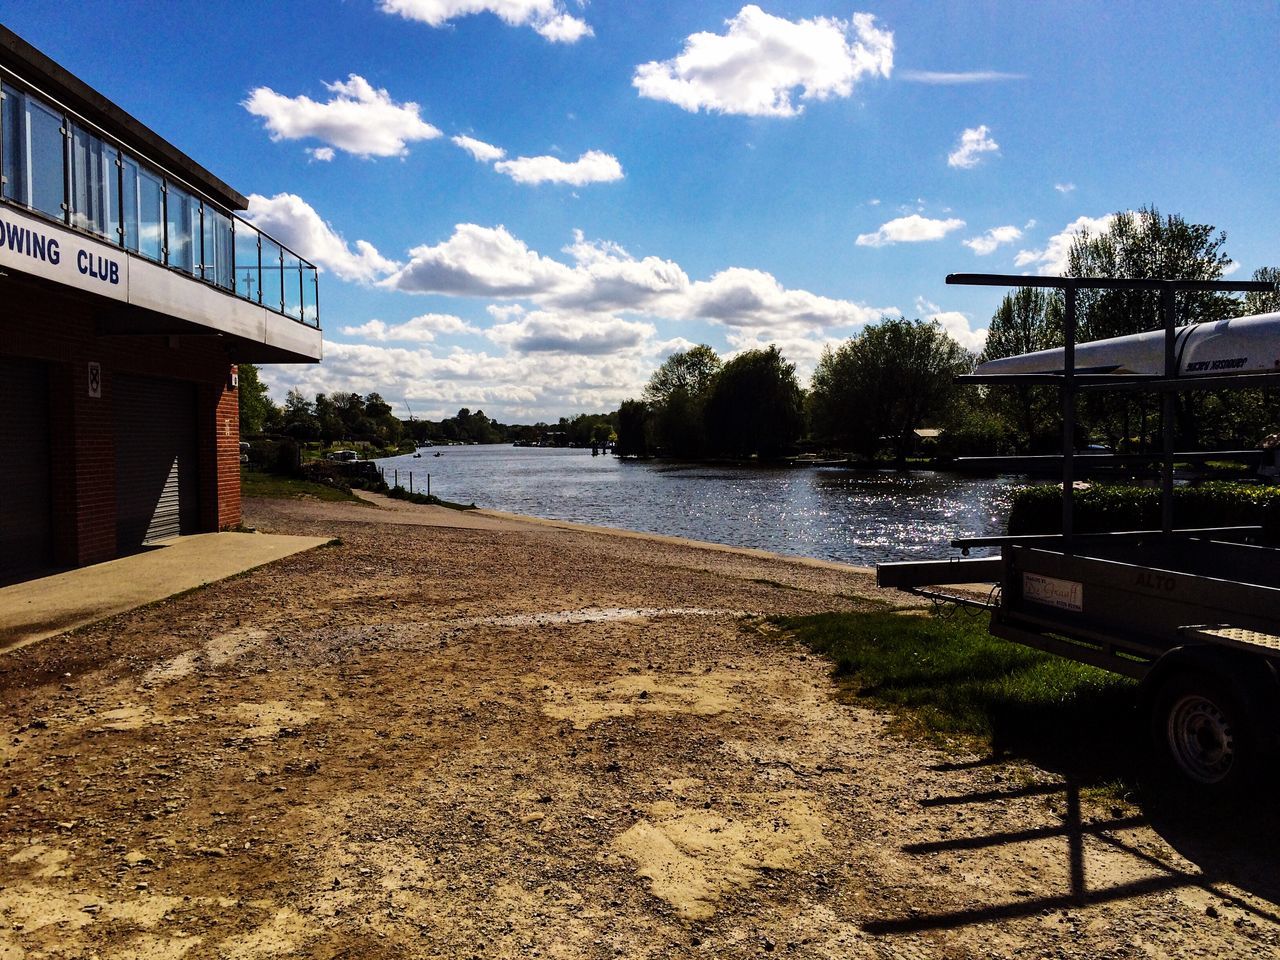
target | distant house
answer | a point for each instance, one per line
(130, 291)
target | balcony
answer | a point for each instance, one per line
(79, 208)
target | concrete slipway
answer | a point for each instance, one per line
(36, 609)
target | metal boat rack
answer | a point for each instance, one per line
(1117, 600)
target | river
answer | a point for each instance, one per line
(852, 516)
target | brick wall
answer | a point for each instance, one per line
(65, 330)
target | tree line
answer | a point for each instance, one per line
(350, 418)
(869, 395)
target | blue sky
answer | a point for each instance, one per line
(673, 173)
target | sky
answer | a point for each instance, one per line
(524, 206)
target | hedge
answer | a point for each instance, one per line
(1100, 508)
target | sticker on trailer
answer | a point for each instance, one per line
(1063, 594)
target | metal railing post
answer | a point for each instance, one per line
(1168, 407)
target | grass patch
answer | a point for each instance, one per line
(949, 678)
(400, 493)
(255, 484)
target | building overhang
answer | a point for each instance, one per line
(139, 297)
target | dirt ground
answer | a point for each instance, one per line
(466, 736)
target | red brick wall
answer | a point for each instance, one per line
(66, 331)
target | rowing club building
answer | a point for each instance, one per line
(129, 291)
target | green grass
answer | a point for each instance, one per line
(949, 678)
(400, 493)
(254, 484)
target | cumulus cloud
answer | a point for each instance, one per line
(757, 64)
(986, 243)
(323, 154)
(437, 381)
(944, 78)
(909, 229)
(480, 262)
(423, 329)
(484, 152)
(582, 335)
(1064, 187)
(548, 17)
(295, 223)
(955, 323)
(592, 167)
(605, 279)
(1051, 259)
(973, 143)
(359, 119)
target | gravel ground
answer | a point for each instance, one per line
(460, 735)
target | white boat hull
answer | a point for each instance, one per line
(1242, 345)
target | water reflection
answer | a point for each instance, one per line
(860, 517)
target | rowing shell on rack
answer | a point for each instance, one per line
(1242, 345)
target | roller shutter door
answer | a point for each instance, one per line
(156, 473)
(26, 526)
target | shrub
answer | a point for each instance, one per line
(1102, 508)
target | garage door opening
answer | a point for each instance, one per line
(156, 474)
(26, 518)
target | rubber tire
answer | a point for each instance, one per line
(1231, 705)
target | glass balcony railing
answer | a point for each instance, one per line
(55, 164)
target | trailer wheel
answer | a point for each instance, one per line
(1201, 728)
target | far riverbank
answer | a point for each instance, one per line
(858, 517)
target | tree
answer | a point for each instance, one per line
(1142, 246)
(255, 406)
(677, 395)
(755, 406)
(1263, 302)
(882, 384)
(1027, 320)
(633, 430)
(300, 421)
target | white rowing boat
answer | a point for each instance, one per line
(1242, 345)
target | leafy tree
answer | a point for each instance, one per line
(255, 406)
(1027, 320)
(677, 395)
(1143, 246)
(755, 406)
(879, 386)
(300, 421)
(634, 437)
(1263, 302)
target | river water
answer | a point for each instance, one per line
(852, 516)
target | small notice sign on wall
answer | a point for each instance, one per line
(95, 380)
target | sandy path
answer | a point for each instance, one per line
(496, 738)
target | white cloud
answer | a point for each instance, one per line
(1052, 258)
(756, 65)
(986, 243)
(943, 78)
(484, 152)
(547, 17)
(592, 167)
(581, 335)
(359, 119)
(480, 262)
(955, 323)
(973, 143)
(605, 279)
(513, 387)
(1231, 267)
(323, 154)
(293, 222)
(1064, 187)
(753, 299)
(909, 229)
(423, 329)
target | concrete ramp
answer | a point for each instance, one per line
(36, 609)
